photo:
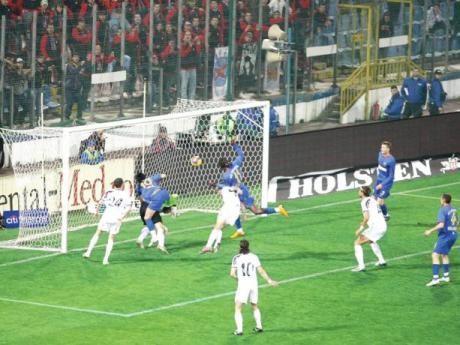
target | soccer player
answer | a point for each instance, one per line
(144, 189)
(117, 204)
(372, 217)
(153, 218)
(385, 176)
(447, 235)
(247, 202)
(228, 187)
(244, 269)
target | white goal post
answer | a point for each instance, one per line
(56, 172)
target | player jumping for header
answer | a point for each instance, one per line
(117, 205)
(385, 176)
(372, 217)
(228, 187)
(447, 228)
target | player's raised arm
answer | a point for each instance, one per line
(238, 161)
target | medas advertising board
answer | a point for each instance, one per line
(325, 182)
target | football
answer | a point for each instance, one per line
(196, 161)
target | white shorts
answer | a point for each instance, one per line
(245, 293)
(375, 233)
(229, 215)
(111, 228)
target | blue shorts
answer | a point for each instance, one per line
(445, 242)
(382, 193)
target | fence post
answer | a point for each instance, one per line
(33, 69)
(63, 63)
(122, 57)
(2, 70)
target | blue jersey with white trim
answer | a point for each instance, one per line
(231, 177)
(447, 215)
(158, 198)
(386, 171)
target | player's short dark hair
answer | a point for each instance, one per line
(447, 198)
(166, 210)
(140, 176)
(244, 246)
(223, 163)
(118, 182)
(366, 190)
(394, 87)
(387, 143)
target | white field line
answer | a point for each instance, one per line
(420, 196)
(405, 193)
(63, 307)
(202, 299)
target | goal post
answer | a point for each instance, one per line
(56, 173)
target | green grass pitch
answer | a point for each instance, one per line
(144, 297)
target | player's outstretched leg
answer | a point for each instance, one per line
(269, 210)
(92, 243)
(239, 230)
(258, 318)
(238, 319)
(108, 249)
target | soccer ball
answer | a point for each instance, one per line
(196, 161)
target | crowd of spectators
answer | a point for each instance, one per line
(312, 23)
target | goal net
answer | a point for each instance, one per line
(56, 173)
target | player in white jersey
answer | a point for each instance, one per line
(117, 205)
(377, 226)
(244, 269)
(228, 214)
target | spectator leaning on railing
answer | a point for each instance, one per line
(437, 94)
(414, 91)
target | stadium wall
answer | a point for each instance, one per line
(347, 149)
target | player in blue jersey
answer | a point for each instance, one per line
(155, 197)
(247, 202)
(385, 176)
(144, 187)
(228, 187)
(447, 235)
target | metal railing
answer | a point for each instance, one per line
(383, 73)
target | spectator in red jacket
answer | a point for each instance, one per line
(81, 38)
(50, 46)
(190, 51)
(169, 60)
